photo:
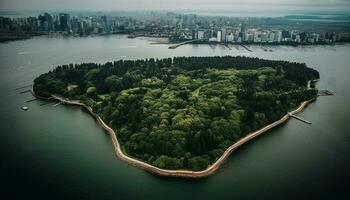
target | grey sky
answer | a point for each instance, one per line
(332, 5)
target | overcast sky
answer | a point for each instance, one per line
(331, 5)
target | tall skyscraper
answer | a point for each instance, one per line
(194, 35)
(64, 22)
(200, 35)
(223, 35)
(218, 37)
(272, 37)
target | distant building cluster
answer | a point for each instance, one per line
(254, 35)
(174, 26)
(66, 24)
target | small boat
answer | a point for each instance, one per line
(25, 108)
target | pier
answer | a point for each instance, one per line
(24, 91)
(263, 48)
(325, 93)
(182, 43)
(46, 103)
(31, 100)
(61, 102)
(226, 45)
(26, 86)
(246, 48)
(298, 118)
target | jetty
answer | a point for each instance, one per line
(263, 48)
(24, 91)
(182, 43)
(31, 100)
(26, 86)
(226, 45)
(45, 103)
(299, 118)
(246, 48)
(61, 102)
(325, 93)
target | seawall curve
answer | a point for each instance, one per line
(174, 173)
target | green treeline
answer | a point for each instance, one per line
(186, 111)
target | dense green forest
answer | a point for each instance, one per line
(183, 112)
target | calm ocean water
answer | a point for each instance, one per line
(55, 152)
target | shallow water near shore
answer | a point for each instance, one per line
(61, 151)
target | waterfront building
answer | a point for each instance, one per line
(271, 37)
(200, 35)
(264, 36)
(194, 35)
(64, 22)
(256, 36)
(279, 36)
(219, 36)
(223, 34)
(230, 37)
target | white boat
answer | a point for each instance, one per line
(25, 108)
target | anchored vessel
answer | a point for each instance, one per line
(25, 108)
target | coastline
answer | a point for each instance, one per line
(28, 36)
(175, 173)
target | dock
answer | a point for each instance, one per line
(325, 93)
(263, 48)
(45, 103)
(26, 86)
(180, 44)
(31, 100)
(300, 119)
(246, 48)
(61, 102)
(226, 45)
(24, 91)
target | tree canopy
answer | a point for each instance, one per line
(183, 112)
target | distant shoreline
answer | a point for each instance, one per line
(26, 36)
(16, 36)
(176, 173)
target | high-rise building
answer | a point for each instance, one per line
(317, 37)
(230, 37)
(243, 28)
(200, 35)
(218, 37)
(223, 35)
(264, 36)
(278, 36)
(245, 37)
(64, 22)
(105, 26)
(49, 20)
(272, 37)
(194, 35)
(243, 32)
(256, 37)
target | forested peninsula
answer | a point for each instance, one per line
(182, 112)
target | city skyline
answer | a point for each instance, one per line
(183, 27)
(194, 5)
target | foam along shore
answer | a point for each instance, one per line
(175, 173)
